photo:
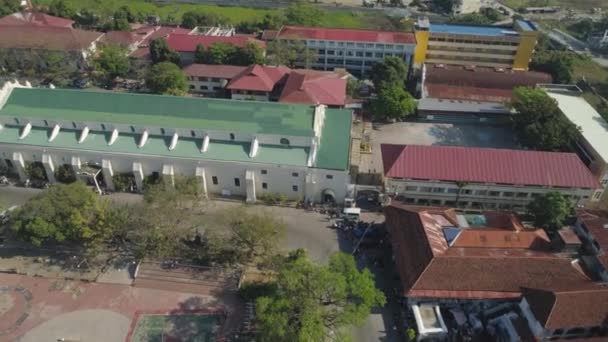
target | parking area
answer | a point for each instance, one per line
(420, 133)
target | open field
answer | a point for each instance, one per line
(338, 18)
(574, 4)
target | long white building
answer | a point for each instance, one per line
(484, 178)
(241, 148)
(354, 50)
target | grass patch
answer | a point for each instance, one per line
(585, 67)
(234, 15)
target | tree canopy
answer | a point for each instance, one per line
(539, 123)
(111, 62)
(167, 78)
(224, 53)
(160, 52)
(550, 210)
(65, 213)
(393, 102)
(313, 302)
(391, 70)
(60, 8)
(304, 13)
(9, 6)
(192, 19)
(281, 52)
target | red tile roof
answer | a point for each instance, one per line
(569, 309)
(347, 35)
(486, 165)
(122, 38)
(258, 78)
(596, 222)
(314, 87)
(429, 268)
(35, 18)
(46, 37)
(217, 71)
(188, 43)
(484, 238)
(150, 33)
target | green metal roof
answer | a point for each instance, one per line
(161, 111)
(334, 149)
(158, 146)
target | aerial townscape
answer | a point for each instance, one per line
(303, 171)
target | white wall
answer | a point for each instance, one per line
(280, 178)
(400, 186)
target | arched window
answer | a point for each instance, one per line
(284, 141)
(231, 136)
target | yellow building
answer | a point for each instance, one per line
(491, 46)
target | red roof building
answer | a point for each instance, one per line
(481, 262)
(47, 38)
(214, 71)
(530, 290)
(486, 165)
(258, 82)
(36, 19)
(458, 82)
(354, 50)
(188, 42)
(336, 34)
(483, 178)
(314, 87)
(149, 33)
(592, 227)
(569, 309)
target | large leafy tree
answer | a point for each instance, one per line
(313, 302)
(393, 102)
(66, 213)
(193, 19)
(160, 52)
(248, 237)
(9, 6)
(60, 8)
(111, 62)
(249, 54)
(539, 123)
(558, 63)
(282, 52)
(550, 210)
(304, 13)
(218, 53)
(391, 70)
(167, 78)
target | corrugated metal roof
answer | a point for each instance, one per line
(346, 35)
(486, 165)
(211, 70)
(188, 43)
(441, 105)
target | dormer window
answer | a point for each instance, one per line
(284, 141)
